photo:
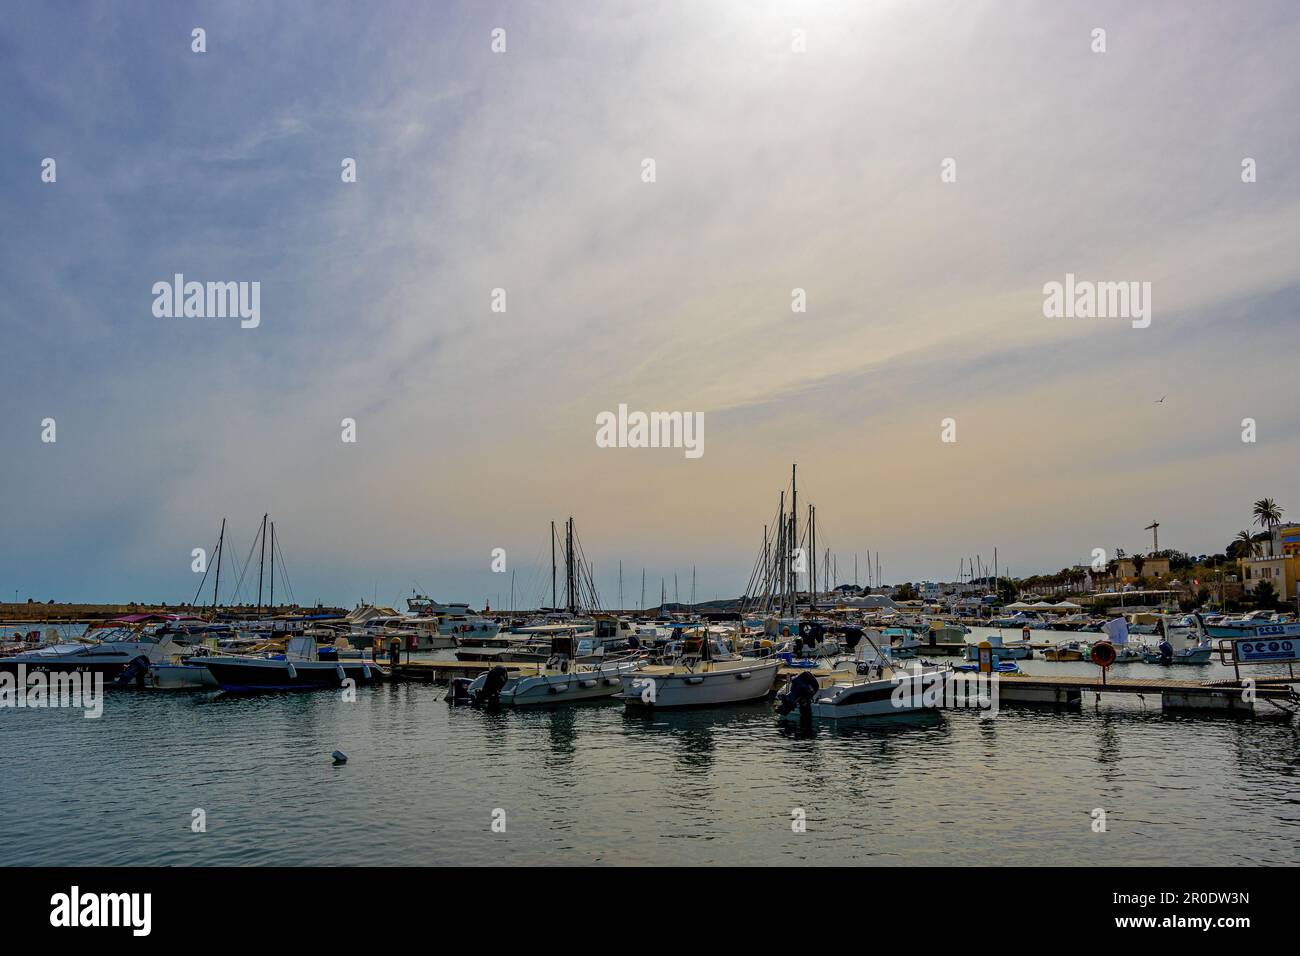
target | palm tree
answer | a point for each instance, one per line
(1249, 547)
(1268, 516)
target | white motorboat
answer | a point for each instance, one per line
(562, 679)
(1255, 624)
(110, 653)
(301, 667)
(706, 674)
(1002, 649)
(870, 685)
(1185, 642)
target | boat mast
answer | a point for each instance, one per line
(272, 601)
(570, 580)
(554, 606)
(812, 552)
(221, 543)
(794, 538)
(260, 565)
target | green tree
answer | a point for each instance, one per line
(1265, 595)
(1268, 516)
(1244, 545)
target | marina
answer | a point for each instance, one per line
(991, 559)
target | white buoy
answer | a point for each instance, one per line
(339, 757)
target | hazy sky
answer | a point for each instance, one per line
(775, 169)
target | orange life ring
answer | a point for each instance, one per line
(1103, 653)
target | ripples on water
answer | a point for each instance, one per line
(595, 784)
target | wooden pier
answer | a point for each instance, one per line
(1219, 695)
(1065, 691)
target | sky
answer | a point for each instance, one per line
(795, 146)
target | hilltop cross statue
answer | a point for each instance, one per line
(1154, 528)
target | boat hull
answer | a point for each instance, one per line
(887, 697)
(564, 688)
(1255, 631)
(254, 674)
(181, 677)
(732, 685)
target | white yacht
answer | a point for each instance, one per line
(707, 673)
(562, 679)
(108, 653)
(869, 685)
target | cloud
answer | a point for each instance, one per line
(776, 170)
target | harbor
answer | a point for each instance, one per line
(790, 434)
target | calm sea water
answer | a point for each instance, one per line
(593, 784)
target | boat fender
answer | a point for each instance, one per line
(342, 674)
(293, 671)
(365, 671)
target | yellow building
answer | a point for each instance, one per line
(1282, 571)
(1153, 569)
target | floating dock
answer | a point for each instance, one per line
(1219, 695)
(1032, 689)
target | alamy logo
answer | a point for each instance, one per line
(1098, 300)
(74, 909)
(42, 689)
(209, 300)
(651, 430)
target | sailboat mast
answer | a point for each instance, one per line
(272, 601)
(794, 538)
(569, 570)
(221, 544)
(812, 551)
(554, 606)
(261, 564)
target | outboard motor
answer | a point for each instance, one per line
(458, 691)
(803, 687)
(1166, 651)
(489, 695)
(852, 635)
(134, 673)
(811, 632)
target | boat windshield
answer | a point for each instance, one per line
(125, 634)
